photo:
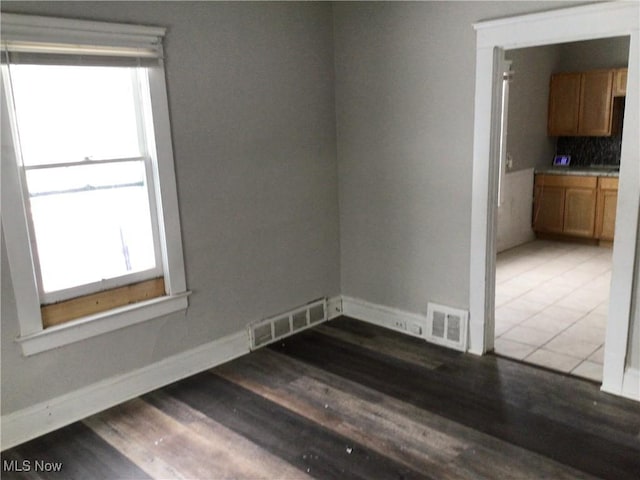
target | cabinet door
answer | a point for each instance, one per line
(564, 101)
(596, 103)
(606, 211)
(620, 82)
(579, 211)
(548, 209)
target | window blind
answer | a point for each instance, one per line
(28, 39)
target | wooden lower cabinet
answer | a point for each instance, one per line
(579, 212)
(548, 212)
(606, 210)
(576, 206)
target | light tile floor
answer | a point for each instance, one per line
(551, 305)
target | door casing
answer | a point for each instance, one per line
(603, 20)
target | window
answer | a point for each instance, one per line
(90, 181)
(85, 170)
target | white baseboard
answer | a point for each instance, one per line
(31, 422)
(334, 307)
(394, 319)
(631, 384)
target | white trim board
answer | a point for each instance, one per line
(103, 322)
(36, 420)
(382, 316)
(594, 21)
(334, 307)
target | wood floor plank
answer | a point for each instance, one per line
(406, 348)
(406, 434)
(166, 448)
(119, 427)
(82, 453)
(308, 446)
(571, 400)
(566, 399)
(255, 461)
(370, 424)
(456, 396)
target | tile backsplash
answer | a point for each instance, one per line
(586, 151)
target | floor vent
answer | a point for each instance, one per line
(447, 326)
(280, 326)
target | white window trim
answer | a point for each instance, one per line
(147, 156)
(33, 338)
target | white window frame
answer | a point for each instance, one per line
(33, 338)
(143, 115)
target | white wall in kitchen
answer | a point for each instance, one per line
(514, 214)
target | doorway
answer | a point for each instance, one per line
(552, 296)
(493, 37)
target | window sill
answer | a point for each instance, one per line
(100, 323)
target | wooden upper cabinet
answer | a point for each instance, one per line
(564, 104)
(581, 104)
(620, 82)
(596, 103)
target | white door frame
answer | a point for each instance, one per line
(593, 21)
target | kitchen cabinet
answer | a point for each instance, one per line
(620, 82)
(564, 104)
(581, 103)
(596, 104)
(548, 211)
(565, 204)
(579, 210)
(606, 208)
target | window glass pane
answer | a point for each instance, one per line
(69, 113)
(91, 222)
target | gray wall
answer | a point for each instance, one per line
(527, 139)
(405, 77)
(252, 108)
(593, 54)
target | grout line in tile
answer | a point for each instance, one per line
(559, 253)
(565, 354)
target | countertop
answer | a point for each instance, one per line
(580, 171)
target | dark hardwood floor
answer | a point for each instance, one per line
(351, 400)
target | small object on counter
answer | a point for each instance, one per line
(561, 160)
